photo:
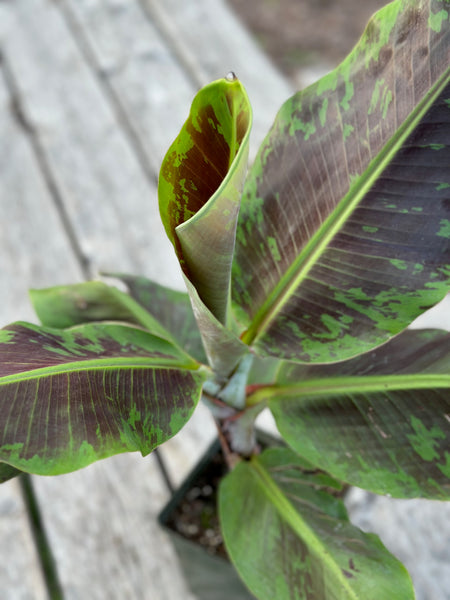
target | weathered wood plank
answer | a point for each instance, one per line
(211, 41)
(29, 257)
(152, 89)
(102, 526)
(20, 572)
(110, 201)
(138, 69)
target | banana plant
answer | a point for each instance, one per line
(302, 278)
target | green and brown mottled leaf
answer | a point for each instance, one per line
(200, 334)
(200, 189)
(380, 421)
(68, 305)
(290, 539)
(343, 235)
(68, 398)
(171, 309)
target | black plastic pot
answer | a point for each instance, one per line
(209, 577)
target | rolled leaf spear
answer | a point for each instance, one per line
(200, 188)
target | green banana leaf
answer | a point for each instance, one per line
(69, 398)
(290, 539)
(343, 234)
(380, 421)
(200, 189)
(67, 305)
(171, 308)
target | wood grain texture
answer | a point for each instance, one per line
(29, 257)
(210, 41)
(20, 574)
(110, 201)
(150, 90)
(102, 526)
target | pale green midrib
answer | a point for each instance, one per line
(289, 514)
(93, 365)
(144, 318)
(338, 386)
(308, 257)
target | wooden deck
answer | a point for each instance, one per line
(92, 92)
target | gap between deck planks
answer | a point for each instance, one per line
(102, 87)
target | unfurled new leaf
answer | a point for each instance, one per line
(223, 348)
(343, 235)
(68, 398)
(290, 539)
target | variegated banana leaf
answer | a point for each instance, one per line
(380, 421)
(223, 348)
(171, 308)
(68, 398)
(199, 191)
(200, 187)
(92, 301)
(290, 539)
(343, 235)
(160, 310)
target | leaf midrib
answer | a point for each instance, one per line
(308, 257)
(339, 386)
(94, 365)
(290, 515)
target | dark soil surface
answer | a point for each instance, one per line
(301, 34)
(196, 518)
